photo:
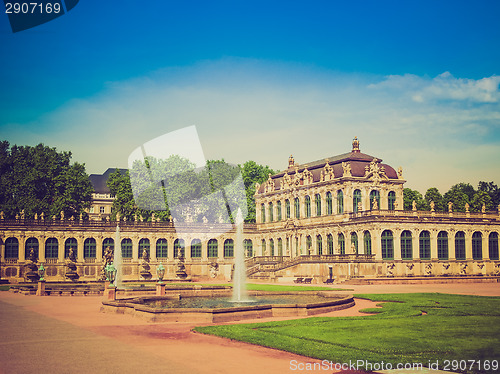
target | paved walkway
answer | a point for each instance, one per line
(69, 335)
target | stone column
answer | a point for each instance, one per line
(433, 244)
(152, 248)
(41, 248)
(376, 245)
(98, 248)
(80, 239)
(204, 250)
(22, 248)
(484, 246)
(61, 248)
(135, 248)
(396, 234)
(415, 245)
(468, 245)
(451, 245)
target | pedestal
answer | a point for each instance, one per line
(160, 289)
(41, 288)
(111, 291)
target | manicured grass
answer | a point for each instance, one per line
(416, 328)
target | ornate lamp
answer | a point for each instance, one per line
(111, 274)
(41, 272)
(160, 270)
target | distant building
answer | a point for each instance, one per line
(102, 199)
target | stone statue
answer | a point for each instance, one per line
(291, 162)
(359, 206)
(483, 208)
(433, 205)
(214, 269)
(145, 273)
(1, 215)
(42, 216)
(346, 168)
(414, 205)
(400, 173)
(107, 259)
(450, 207)
(36, 216)
(22, 214)
(466, 207)
(62, 215)
(375, 204)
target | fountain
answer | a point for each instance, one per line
(240, 272)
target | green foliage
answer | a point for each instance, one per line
(459, 194)
(41, 180)
(253, 173)
(433, 194)
(414, 328)
(409, 196)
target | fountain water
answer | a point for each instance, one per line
(117, 257)
(240, 271)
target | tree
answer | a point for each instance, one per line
(41, 180)
(492, 190)
(459, 194)
(479, 199)
(253, 173)
(432, 194)
(409, 196)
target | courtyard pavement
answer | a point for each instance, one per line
(68, 334)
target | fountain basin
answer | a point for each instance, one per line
(155, 309)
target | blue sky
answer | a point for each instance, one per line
(416, 81)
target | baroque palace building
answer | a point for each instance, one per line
(335, 219)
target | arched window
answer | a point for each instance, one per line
(367, 239)
(374, 195)
(107, 243)
(212, 248)
(387, 245)
(144, 245)
(247, 244)
(179, 248)
(52, 248)
(442, 245)
(356, 199)
(31, 244)
(308, 206)
(493, 246)
(271, 247)
(280, 247)
(319, 245)
(308, 244)
(89, 248)
(424, 244)
(329, 244)
(477, 246)
(278, 206)
(406, 245)
(126, 248)
(318, 204)
(228, 248)
(354, 241)
(263, 246)
(69, 244)
(340, 202)
(341, 244)
(329, 203)
(297, 208)
(263, 213)
(162, 248)
(287, 208)
(391, 201)
(271, 212)
(195, 248)
(460, 245)
(11, 248)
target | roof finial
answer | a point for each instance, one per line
(291, 162)
(355, 145)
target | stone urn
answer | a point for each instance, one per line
(181, 269)
(31, 268)
(145, 273)
(71, 273)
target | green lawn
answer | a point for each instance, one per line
(417, 328)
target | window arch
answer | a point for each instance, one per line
(271, 212)
(341, 241)
(374, 196)
(477, 246)
(89, 248)
(280, 247)
(228, 248)
(271, 247)
(31, 243)
(11, 248)
(354, 241)
(71, 244)
(367, 239)
(297, 207)
(263, 213)
(493, 246)
(308, 206)
(424, 241)
(144, 245)
(287, 209)
(212, 248)
(329, 203)
(318, 204)
(179, 248)
(52, 248)
(319, 245)
(162, 248)
(278, 207)
(387, 245)
(391, 200)
(263, 245)
(460, 245)
(248, 245)
(126, 248)
(406, 245)
(442, 245)
(340, 202)
(356, 199)
(308, 244)
(195, 248)
(329, 243)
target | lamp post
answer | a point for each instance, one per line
(41, 281)
(160, 286)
